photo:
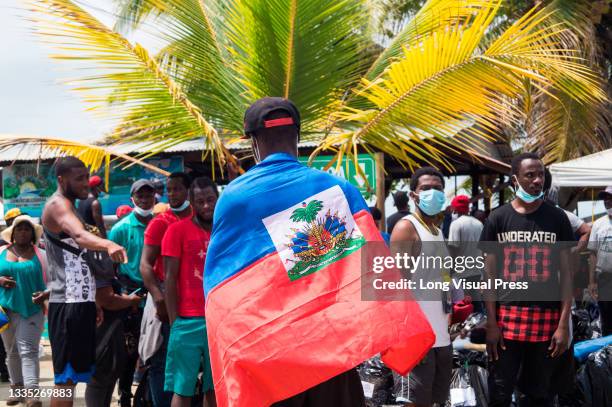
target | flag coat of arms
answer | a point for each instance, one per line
(283, 287)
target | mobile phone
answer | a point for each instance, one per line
(135, 291)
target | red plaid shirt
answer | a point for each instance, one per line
(528, 324)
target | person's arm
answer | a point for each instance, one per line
(593, 247)
(150, 253)
(560, 340)
(96, 213)
(40, 297)
(593, 276)
(489, 247)
(405, 239)
(495, 338)
(109, 300)
(584, 231)
(71, 225)
(171, 267)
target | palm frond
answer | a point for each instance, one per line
(430, 18)
(197, 59)
(131, 13)
(93, 156)
(447, 78)
(307, 51)
(160, 112)
(561, 128)
(555, 124)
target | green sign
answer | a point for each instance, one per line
(347, 170)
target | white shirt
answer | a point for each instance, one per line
(464, 234)
(601, 243)
(433, 309)
(575, 221)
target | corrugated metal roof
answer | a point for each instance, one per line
(33, 153)
(25, 153)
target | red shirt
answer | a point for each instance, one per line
(154, 234)
(189, 243)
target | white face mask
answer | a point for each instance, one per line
(142, 212)
(181, 208)
(455, 216)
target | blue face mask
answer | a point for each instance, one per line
(181, 208)
(525, 196)
(431, 201)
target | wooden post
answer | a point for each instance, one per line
(380, 188)
(502, 197)
(475, 186)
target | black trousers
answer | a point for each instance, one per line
(110, 357)
(532, 361)
(604, 286)
(131, 327)
(605, 313)
(344, 390)
(3, 368)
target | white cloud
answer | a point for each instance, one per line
(34, 102)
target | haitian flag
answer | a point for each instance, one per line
(283, 287)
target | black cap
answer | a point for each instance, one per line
(603, 194)
(141, 183)
(255, 115)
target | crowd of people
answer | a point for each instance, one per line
(127, 305)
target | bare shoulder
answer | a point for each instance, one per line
(404, 231)
(55, 207)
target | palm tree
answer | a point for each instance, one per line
(551, 123)
(307, 213)
(443, 82)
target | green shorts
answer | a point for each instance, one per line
(187, 351)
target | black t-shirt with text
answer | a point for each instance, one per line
(528, 248)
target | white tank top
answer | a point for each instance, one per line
(433, 309)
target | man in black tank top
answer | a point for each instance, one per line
(72, 309)
(90, 209)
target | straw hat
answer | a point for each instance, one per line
(12, 213)
(38, 230)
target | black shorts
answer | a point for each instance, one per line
(72, 333)
(344, 390)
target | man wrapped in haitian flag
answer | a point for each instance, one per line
(282, 281)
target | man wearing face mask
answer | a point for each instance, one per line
(419, 235)
(90, 209)
(129, 232)
(155, 328)
(600, 276)
(527, 329)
